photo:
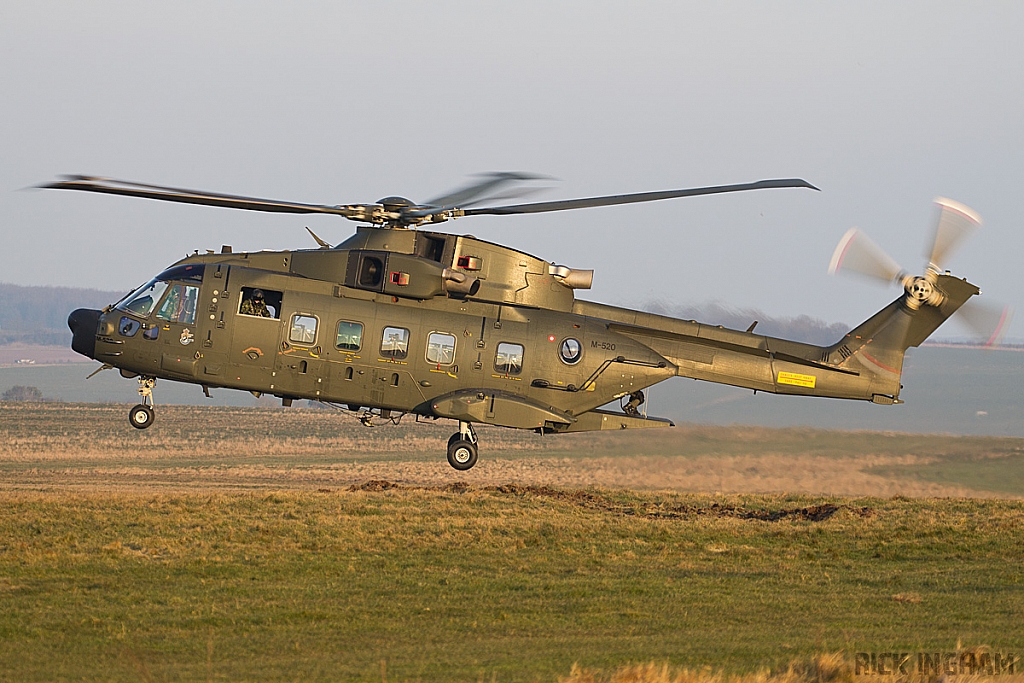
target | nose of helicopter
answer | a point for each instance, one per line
(83, 323)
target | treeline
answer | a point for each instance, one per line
(801, 328)
(39, 315)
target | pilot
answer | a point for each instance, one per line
(255, 305)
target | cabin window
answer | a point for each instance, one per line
(179, 305)
(509, 358)
(395, 343)
(441, 348)
(350, 336)
(570, 351)
(303, 329)
(260, 303)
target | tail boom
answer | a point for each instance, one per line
(867, 364)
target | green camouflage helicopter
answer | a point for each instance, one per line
(400, 319)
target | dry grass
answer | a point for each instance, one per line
(830, 668)
(826, 668)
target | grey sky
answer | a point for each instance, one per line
(882, 105)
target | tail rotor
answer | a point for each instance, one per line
(857, 253)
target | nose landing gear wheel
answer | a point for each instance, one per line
(141, 416)
(461, 453)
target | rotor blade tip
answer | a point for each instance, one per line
(1004, 322)
(836, 264)
(803, 183)
(962, 209)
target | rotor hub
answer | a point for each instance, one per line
(921, 292)
(395, 203)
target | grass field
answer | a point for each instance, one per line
(245, 544)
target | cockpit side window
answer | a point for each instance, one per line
(141, 302)
(179, 306)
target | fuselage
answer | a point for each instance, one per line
(326, 342)
(452, 326)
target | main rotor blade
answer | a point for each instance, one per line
(956, 222)
(464, 196)
(856, 252)
(614, 200)
(511, 193)
(172, 194)
(988, 323)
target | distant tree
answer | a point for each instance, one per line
(22, 393)
(38, 315)
(802, 328)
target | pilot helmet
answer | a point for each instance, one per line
(257, 295)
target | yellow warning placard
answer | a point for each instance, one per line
(796, 379)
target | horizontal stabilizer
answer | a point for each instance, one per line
(598, 420)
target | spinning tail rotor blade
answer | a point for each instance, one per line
(956, 222)
(988, 323)
(856, 252)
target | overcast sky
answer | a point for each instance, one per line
(883, 105)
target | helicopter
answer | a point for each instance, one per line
(403, 319)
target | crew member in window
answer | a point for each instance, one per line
(255, 305)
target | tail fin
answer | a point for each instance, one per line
(877, 346)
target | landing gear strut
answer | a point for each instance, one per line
(462, 447)
(141, 416)
(632, 407)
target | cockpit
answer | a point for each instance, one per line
(173, 295)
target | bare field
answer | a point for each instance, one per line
(10, 354)
(91, 447)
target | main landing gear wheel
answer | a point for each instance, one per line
(141, 416)
(461, 453)
(462, 447)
